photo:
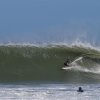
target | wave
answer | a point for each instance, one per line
(44, 63)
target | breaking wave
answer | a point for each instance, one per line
(45, 63)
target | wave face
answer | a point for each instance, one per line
(44, 63)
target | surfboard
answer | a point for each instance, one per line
(66, 68)
(72, 64)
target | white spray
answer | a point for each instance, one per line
(74, 66)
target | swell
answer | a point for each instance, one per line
(32, 63)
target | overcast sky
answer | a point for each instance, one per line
(49, 20)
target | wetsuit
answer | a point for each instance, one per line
(67, 63)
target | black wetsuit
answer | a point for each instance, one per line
(67, 63)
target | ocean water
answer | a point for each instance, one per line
(45, 63)
(49, 92)
(37, 72)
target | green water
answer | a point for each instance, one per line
(25, 63)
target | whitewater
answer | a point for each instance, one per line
(49, 92)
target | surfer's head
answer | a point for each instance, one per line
(80, 89)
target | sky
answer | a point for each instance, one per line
(49, 20)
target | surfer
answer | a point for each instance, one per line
(80, 89)
(67, 62)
